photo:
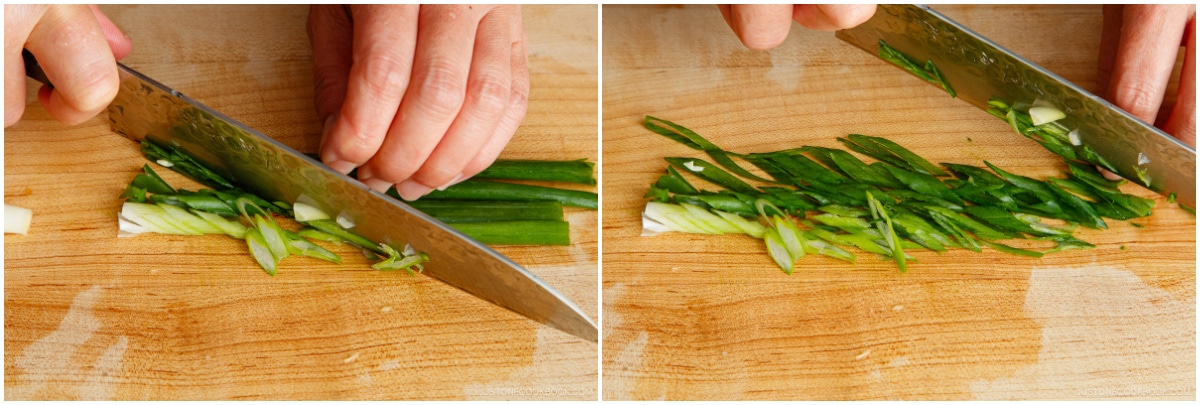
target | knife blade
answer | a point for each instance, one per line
(146, 109)
(980, 70)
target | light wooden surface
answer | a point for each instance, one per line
(711, 317)
(90, 316)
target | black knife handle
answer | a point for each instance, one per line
(34, 70)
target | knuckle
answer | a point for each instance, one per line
(383, 72)
(358, 142)
(442, 91)
(436, 174)
(1137, 100)
(397, 170)
(490, 92)
(97, 86)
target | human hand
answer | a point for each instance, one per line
(763, 26)
(78, 48)
(1138, 49)
(417, 96)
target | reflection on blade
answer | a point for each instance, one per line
(145, 109)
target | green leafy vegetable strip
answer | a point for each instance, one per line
(693, 140)
(331, 227)
(498, 191)
(455, 211)
(712, 173)
(182, 163)
(571, 171)
(888, 230)
(929, 73)
(529, 232)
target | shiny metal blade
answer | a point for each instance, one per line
(980, 70)
(146, 109)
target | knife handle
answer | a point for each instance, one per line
(33, 69)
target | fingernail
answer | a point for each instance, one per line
(366, 176)
(452, 182)
(341, 166)
(411, 190)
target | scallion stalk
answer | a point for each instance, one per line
(454, 211)
(529, 232)
(498, 191)
(570, 171)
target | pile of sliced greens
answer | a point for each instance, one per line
(491, 212)
(825, 201)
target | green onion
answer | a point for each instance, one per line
(712, 173)
(778, 251)
(184, 164)
(530, 232)
(1012, 250)
(661, 217)
(674, 182)
(314, 234)
(149, 181)
(929, 73)
(570, 171)
(261, 252)
(331, 227)
(978, 207)
(888, 230)
(453, 211)
(490, 190)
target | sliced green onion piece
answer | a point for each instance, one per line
(751, 228)
(260, 252)
(330, 227)
(303, 212)
(148, 180)
(1009, 249)
(779, 251)
(1045, 114)
(17, 219)
(308, 249)
(273, 236)
(888, 230)
(314, 234)
(231, 228)
(402, 263)
(817, 246)
(791, 237)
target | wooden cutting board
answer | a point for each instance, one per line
(711, 317)
(91, 316)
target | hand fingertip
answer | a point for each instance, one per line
(410, 190)
(457, 179)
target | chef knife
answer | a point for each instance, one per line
(145, 109)
(980, 70)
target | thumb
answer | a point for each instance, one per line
(119, 42)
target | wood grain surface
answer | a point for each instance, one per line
(711, 317)
(91, 316)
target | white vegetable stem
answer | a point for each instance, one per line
(662, 217)
(305, 212)
(1044, 115)
(17, 219)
